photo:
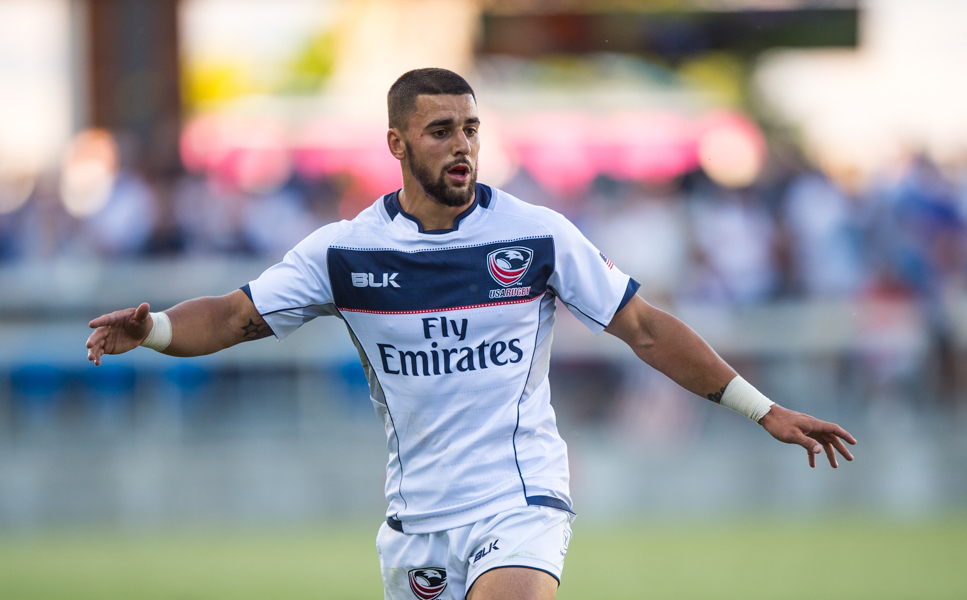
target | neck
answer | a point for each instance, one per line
(431, 214)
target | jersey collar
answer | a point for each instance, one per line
(482, 197)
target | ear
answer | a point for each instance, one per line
(395, 142)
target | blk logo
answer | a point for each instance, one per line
(508, 265)
(428, 584)
(485, 551)
(370, 280)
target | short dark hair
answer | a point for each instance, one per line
(401, 99)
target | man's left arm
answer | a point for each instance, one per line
(671, 347)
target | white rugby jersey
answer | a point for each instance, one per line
(454, 332)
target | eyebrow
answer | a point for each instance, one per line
(448, 122)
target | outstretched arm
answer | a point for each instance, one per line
(199, 326)
(672, 348)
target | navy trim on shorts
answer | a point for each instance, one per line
(550, 502)
(248, 291)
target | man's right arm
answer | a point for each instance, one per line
(199, 326)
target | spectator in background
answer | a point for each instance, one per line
(930, 236)
(41, 228)
(643, 228)
(826, 235)
(210, 216)
(924, 227)
(123, 226)
(734, 238)
(276, 221)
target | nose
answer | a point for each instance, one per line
(461, 144)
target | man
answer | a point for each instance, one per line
(448, 289)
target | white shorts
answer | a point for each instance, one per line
(445, 564)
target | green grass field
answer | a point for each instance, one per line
(829, 559)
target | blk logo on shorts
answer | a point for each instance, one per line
(485, 551)
(508, 265)
(428, 583)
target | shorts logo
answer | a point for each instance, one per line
(508, 265)
(428, 583)
(485, 551)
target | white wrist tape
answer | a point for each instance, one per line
(160, 335)
(744, 399)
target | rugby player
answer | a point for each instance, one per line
(448, 289)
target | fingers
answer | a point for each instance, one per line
(102, 321)
(839, 445)
(831, 455)
(138, 314)
(811, 446)
(836, 430)
(832, 436)
(111, 335)
(94, 355)
(141, 312)
(95, 345)
(830, 443)
(813, 435)
(93, 338)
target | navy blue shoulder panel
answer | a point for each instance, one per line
(396, 281)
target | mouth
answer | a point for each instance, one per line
(459, 173)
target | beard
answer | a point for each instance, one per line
(437, 187)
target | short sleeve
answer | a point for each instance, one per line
(296, 290)
(588, 283)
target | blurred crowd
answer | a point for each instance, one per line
(795, 233)
(897, 239)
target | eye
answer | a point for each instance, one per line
(471, 131)
(439, 133)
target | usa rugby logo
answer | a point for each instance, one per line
(508, 265)
(428, 584)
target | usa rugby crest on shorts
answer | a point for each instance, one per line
(428, 584)
(508, 265)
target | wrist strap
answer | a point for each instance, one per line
(160, 335)
(742, 397)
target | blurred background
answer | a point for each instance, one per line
(787, 176)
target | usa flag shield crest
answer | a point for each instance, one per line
(428, 583)
(508, 265)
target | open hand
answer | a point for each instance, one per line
(118, 332)
(812, 434)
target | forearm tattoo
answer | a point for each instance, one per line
(716, 397)
(256, 331)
